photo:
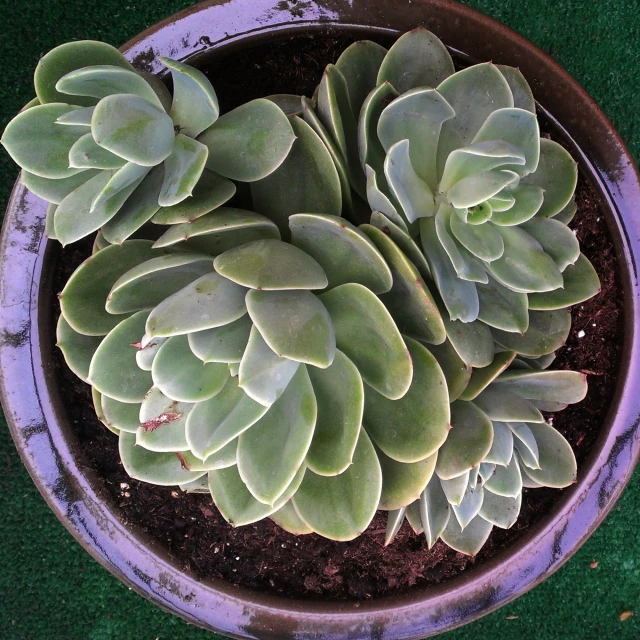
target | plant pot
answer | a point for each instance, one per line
(31, 391)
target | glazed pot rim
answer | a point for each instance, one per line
(71, 493)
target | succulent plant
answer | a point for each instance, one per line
(295, 365)
(112, 149)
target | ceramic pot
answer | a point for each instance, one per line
(31, 393)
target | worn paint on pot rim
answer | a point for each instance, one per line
(44, 438)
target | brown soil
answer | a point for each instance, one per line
(264, 557)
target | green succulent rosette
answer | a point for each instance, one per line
(111, 149)
(290, 363)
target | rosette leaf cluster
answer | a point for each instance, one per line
(112, 149)
(455, 159)
(265, 374)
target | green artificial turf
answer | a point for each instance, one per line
(50, 589)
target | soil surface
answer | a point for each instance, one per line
(264, 557)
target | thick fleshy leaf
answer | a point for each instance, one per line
(368, 336)
(486, 470)
(249, 142)
(500, 511)
(483, 241)
(290, 103)
(222, 344)
(470, 505)
(41, 146)
(180, 375)
(341, 507)
(263, 375)
(159, 88)
(312, 119)
(121, 415)
(460, 296)
(359, 64)
(413, 514)
(455, 488)
(557, 462)
(210, 191)
(581, 282)
(340, 397)
(398, 233)
(528, 199)
(526, 445)
(403, 483)
(208, 302)
(435, 510)
(474, 93)
(568, 213)
(83, 299)
(99, 81)
(164, 469)
(80, 117)
(506, 406)
(86, 154)
(200, 485)
(147, 351)
(417, 59)
(380, 203)
(162, 423)
(133, 128)
(69, 57)
(195, 104)
(295, 325)
(344, 252)
(214, 423)
(120, 186)
(468, 442)
(410, 302)
(148, 284)
(479, 157)
(410, 190)
(472, 341)
(138, 209)
(506, 481)
(557, 174)
(182, 170)
(415, 426)
(456, 372)
(271, 265)
(522, 95)
(49, 228)
(77, 348)
(113, 370)
(482, 377)
(547, 332)
(524, 265)
(479, 187)
(55, 190)
(288, 519)
(306, 181)
(518, 127)
(502, 202)
(273, 450)
(370, 148)
(501, 450)
(336, 114)
(219, 231)
(469, 541)
(235, 502)
(398, 122)
(502, 308)
(557, 240)
(567, 387)
(395, 519)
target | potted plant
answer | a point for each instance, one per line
(312, 265)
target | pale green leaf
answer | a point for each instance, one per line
(547, 332)
(182, 170)
(482, 377)
(501, 404)
(506, 481)
(55, 190)
(434, 511)
(522, 95)
(456, 372)
(503, 308)
(567, 387)
(86, 154)
(162, 423)
(288, 519)
(500, 511)
(123, 416)
(528, 199)
(557, 462)
(222, 344)
(403, 483)
(77, 348)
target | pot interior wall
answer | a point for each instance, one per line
(283, 64)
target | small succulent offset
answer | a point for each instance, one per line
(111, 149)
(291, 363)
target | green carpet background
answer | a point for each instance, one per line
(51, 589)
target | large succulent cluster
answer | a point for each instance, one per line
(303, 368)
(112, 150)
